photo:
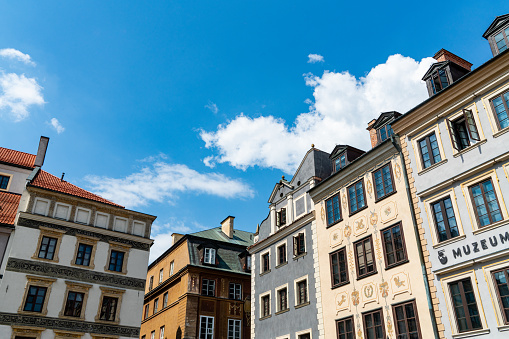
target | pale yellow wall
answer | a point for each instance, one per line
(376, 217)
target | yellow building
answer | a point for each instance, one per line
(373, 282)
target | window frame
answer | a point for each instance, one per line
(155, 309)
(9, 181)
(446, 219)
(212, 254)
(334, 221)
(480, 184)
(377, 198)
(237, 289)
(165, 300)
(299, 244)
(388, 132)
(264, 269)
(370, 313)
(234, 323)
(118, 247)
(281, 217)
(341, 283)
(146, 311)
(356, 197)
(207, 318)
(437, 73)
(494, 112)
(111, 293)
(161, 332)
(349, 318)
(277, 292)
(262, 298)
(279, 260)
(505, 316)
(430, 150)
(49, 233)
(339, 159)
(297, 283)
(208, 282)
(414, 306)
(36, 281)
(161, 276)
(89, 241)
(363, 240)
(402, 261)
(75, 287)
(464, 304)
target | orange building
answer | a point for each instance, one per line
(200, 287)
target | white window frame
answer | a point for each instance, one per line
(240, 329)
(294, 235)
(35, 205)
(161, 275)
(107, 219)
(236, 284)
(417, 150)
(308, 331)
(8, 183)
(120, 219)
(82, 209)
(260, 303)
(152, 335)
(135, 222)
(276, 297)
(473, 143)
(156, 305)
(212, 329)
(161, 332)
(165, 299)
(172, 266)
(261, 260)
(296, 290)
(69, 207)
(303, 196)
(209, 257)
(279, 244)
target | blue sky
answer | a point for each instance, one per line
(192, 110)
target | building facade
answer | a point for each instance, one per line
(456, 155)
(75, 264)
(370, 264)
(200, 287)
(285, 283)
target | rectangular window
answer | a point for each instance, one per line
(41, 206)
(120, 224)
(407, 323)
(82, 216)
(161, 275)
(484, 199)
(156, 305)
(501, 279)
(165, 300)
(208, 287)
(439, 80)
(345, 328)
(299, 244)
(153, 335)
(430, 153)
(502, 40)
(304, 336)
(116, 261)
(445, 221)
(356, 196)
(138, 228)
(4, 181)
(172, 265)
(146, 311)
(302, 292)
(282, 299)
(47, 248)
(235, 291)
(108, 309)
(340, 162)
(265, 262)
(151, 283)
(210, 256)
(374, 324)
(73, 304)
(365, 257)
(281, 254)
(233, 329)
(465, 305)
(500, 106)
(161, 332)
(62, 211)
(394, 245)
(265, 306)
(339, 268)
(333, 210)
(206, 327)
(463, 131)
(35, 299)
(281, 217)
(84, 254)
(384, 183)
(385, 132)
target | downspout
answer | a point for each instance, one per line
(416, 233)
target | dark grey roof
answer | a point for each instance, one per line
(226, 254)
(239, 237)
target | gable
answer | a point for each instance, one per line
(496, 24)
(433, 67)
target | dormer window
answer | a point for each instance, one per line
(502, 40)
(209, 256)
(439, 80)
(498, 34)
(281, 217)
(385, 132)
(340, 162)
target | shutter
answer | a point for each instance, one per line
(283, 216)
(212, 256)
(278, 219)
(471, 127)
(302, 247)
(295, 246)
(452, 133)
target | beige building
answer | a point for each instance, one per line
(370, 265)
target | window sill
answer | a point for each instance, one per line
(54, 260)
(89, 267)
(71, 317)
(503, 328)
(499, 133)
(449, 241)
(432, 167)
(266, 272)
(300, 256)
(282, 311)
(282, 264)
(490, 227)
(397, 264)
(340, 285)
(474, 333)
(117, 272)
(367, 275)
(266, 317)
(469, 148)
(109, 322)
(360, 209)
(302, 305)
(385, 196)
(334, 223)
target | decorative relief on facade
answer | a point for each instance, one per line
(65, 272)
(351, 261)
(360, 225)
(388, 212)
(369, 293)
(347, 231)
(336, 238)
(355, 298)
(373, 218)
(234, 308)
(75, 232)
(400, 283)
(359, 333)
(397, 171)
(369, 188)
(343, 201)
(384, 289)
(342, 301)
(390, 328)
(378, 249)
(194, 283)
(11, 319)
(322, 213)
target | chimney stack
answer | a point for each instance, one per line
(227, 226)
(41, 151)
(445, 55)
(372, 133)
(175, 237)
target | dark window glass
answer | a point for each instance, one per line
(108, 309)
(340, 162)
(151, 283)
(383, 181)
(266, 262)
(266, 306)
(465, 305)
(235, 291)
(73, 304)
(35, 299)
(500, 105)
(374, 325)
(281, 250)
(394, 245)
(281, 217)
(302, 293)
(339, 267)
(282, 298)
(206, 327)
(365, 257)
(333, 210)
(463, 131)
(485, 201)
(208, 287)
(47, 249)
(299, 244)
(439, 81)
(407, 323)
(116, 261)
(84, 254)
(445, 221)
(356, 196)
(146, 311)
(233, 329)
(304, 336)
(502, 283)
(385, 132)
(4, 180)
(502, 40)
(430, 152)
(345, 328)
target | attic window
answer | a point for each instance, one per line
(281, 217)
(439, 80)
(340, 162)
(209, 256)
(385, 132)
(502, 40)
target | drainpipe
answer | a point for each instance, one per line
(416, 233)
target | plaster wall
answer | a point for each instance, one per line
(18, 179)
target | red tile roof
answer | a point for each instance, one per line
(48, 181)
(8, 207)
(17, 158)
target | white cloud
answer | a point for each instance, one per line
(12, 53)
(213, 107)
(57, 125)
(162, 236)
(18, 93)
(163, 181)
(343, 105)
(314, 58)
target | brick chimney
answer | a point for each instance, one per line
(372, 133)
(227, 226)
(41, 151)
(175, 237)
(445, 55)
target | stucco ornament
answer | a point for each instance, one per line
(369, 293)
(388, 211)
(355, 298)
(351, 261)
(369, 187)
(397, 171)
(347, 231)
(384, 289)
(359, 333)
(400, 283)
(373, 218)
(360, 225)
(378, 246)
(322, 213)
(390, 329)
(335, 238)
(342, 301)
(343, 201)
